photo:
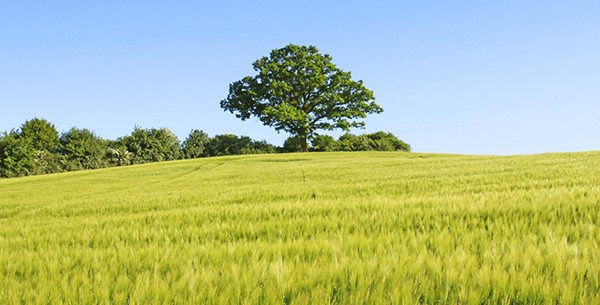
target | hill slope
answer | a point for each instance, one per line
(319, 228)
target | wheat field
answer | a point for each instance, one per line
(307, 228)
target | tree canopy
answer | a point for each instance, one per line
(83, 149)
(152, 145)
(299, 90)
(194, 145)
(43, 134)
(33, 148)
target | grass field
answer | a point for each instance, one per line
(314, 228)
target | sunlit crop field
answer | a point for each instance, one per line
(314, 228)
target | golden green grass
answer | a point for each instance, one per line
(314, 228)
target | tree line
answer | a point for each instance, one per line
(38, 148)
(296, 89)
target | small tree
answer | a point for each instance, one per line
(350, 142)
(194, 145)
(379, 141)
(117, 153)
(299, 90)
(227, 144)
(43, 137)
(43, 134)
(324, 143)
(292, 144)
(261, 147)
(383, 141)
(152, 145)
(83, 149)
(17, 155)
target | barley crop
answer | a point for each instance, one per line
(311, 228)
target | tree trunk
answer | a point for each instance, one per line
(303, 143)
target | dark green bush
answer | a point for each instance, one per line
(324, 143)
(387, 142)
(47, 162)
(261, 147)
(43, 134)
(292, 144)
(228, 144)
(350, 142)
(17, 155)
(82, 149)
(195, 144)
(117, 154)
(152, 145)
(379, 141)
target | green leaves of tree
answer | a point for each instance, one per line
(299, 90)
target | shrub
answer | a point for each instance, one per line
(379, 141)
(261, 147)
(83, 149)
(17, 155)
(350, 142)
(387, 142)
(47, 162)
(228, 144)
(152, 145)
(116, 153)
(292, 144)
(195, 144)
(324, 143)
(43, 134)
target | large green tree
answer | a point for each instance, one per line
(299, 90)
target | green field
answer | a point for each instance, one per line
(312, 228)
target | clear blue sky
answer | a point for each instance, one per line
(476, 77)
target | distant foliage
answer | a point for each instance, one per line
(228, 144)
(17, 155)
(82, 149)
(42, 134)
(261, 147)
(292, 144)
(152, 145)
(324, 143)
(47, 162)
(379, 141)
(37, 148)
(33, 149)
(383, 141)
(117, 153)
(195, 144)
